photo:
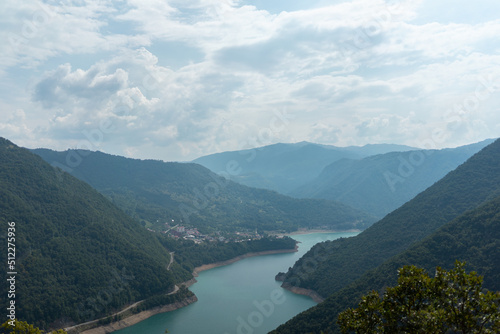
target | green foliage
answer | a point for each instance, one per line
(474, 237)
(190, 255)
(152, 191)
(165, 299)
(78, 256)
(451, 301)
(338, 263)
(22, 327)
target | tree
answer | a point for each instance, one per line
(451, 301)
(22, 327)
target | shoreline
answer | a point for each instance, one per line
(209, 266)
(304, 292)
(313, 231)
(141, 316)
(316, 297)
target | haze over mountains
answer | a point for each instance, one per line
(284, 167)
(376, 179)
(154, 190)
(458, 218)
(470, 185)
(93, 239)
(382, 183)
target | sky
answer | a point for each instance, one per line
(178, 79)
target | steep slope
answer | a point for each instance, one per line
(474, 237)
(284, 167)
(157, 191)
(77, 256)
(337, 263)
(382, 183)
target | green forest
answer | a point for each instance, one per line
(340, 262)
(152, 191)
(449, 301)
(79, 256)
(380, 184)
(190, 255)
(474, 237)
(83, 252)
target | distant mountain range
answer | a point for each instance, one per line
(78, 256)
(458, 218)
(382, 183)
(284, 167)
(76, 245)
(470, 185)
(191, 194)
(376, 179)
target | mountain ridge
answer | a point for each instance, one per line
(473, 237)
(283, 167)
(381, 183)
(470, 185)
(155, 190)
(73, 245)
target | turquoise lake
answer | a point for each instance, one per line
(240, 298)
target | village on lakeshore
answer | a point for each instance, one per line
(178, 231)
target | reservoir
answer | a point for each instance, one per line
(240, 298)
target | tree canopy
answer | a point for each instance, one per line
(451, 301)
(340, 262)
(22, 327)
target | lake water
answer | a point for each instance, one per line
(240, 298)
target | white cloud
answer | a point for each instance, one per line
(350, 72)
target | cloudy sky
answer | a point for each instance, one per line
(177, 79)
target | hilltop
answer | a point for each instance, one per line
(284, 167)
(340, 262)
(78, 256)
(152, 191)
(474, 237)
(381, 183)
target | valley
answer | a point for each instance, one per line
(154, 226)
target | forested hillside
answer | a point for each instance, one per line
(474, 238)
(382, 183)
(77, 255)
(189, 193)
(336, 264)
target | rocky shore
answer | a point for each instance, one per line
(305, 292)
(204, 267)
(136, 318)
(87, 328)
